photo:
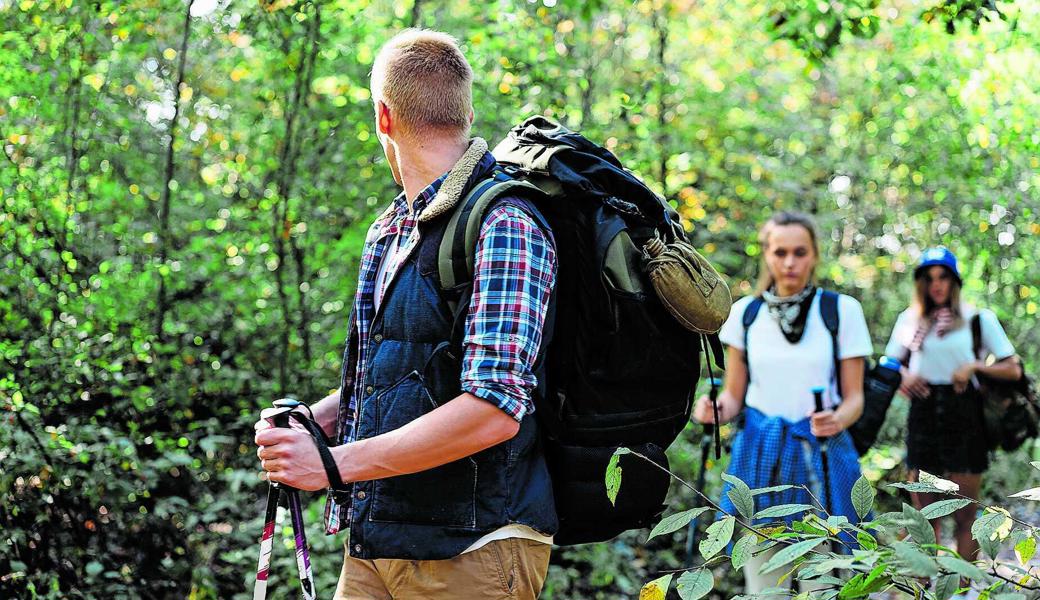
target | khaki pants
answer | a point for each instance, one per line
(512, 569)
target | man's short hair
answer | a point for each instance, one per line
(425, 80)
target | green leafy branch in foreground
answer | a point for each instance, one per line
(885, 559)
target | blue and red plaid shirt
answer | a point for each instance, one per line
(513, 278)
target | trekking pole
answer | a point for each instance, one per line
(707, 437)
(280, 494)
(824, 459)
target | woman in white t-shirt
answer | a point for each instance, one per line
(933, 339)
(773, 366)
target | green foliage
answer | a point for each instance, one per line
(890, 562)
(185, 189)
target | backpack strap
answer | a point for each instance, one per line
(832, 320)
(456, 254)
(749, 316)
(976, 335)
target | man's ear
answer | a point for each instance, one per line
(471, 116)
(384, 121)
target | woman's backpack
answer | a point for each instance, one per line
(620, 368)
(1010, 409)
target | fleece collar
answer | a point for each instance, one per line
(454, 184)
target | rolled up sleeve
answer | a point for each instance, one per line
(513, 278)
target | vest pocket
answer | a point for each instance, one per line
(444, 495)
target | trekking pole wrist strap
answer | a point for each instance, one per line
(336, 484)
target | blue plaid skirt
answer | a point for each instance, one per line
(771, 451)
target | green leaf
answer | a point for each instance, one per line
(1025, 550)
(772, 489)
(740, 494)
(985, 526)
(866, 541)
(918, 486)
(947, 586)
(790, 554)
(94, 567)
(695, 584)
(863, 497)
(944, 507)
(943, 485)
(782, 510)
(675, 522)
(716, 537)
(815, 566)
(918, 526)
(656, 589)
(862, 585)
(961, 567)
(914, 560)
(742, 550)
(613, 477)
(1030, 494)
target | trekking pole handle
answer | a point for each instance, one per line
(713, 395)
(279, 414)
(818, 399)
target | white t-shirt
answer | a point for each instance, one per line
(783, 374)
(940, 357)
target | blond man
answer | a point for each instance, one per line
(446, 492)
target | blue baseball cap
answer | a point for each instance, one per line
(938, 256)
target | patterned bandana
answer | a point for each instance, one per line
(791, 312)
(941, 319)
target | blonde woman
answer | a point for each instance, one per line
(775, 358)
(933, 339)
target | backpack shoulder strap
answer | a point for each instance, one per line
(976, 335)
(749, 316)
(832, 320)
(456, 253)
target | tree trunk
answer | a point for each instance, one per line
(661, 25)
(284, 222)
(165, 200)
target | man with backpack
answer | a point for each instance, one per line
(438, 473)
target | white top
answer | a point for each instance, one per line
(513, 530)
(783, 374)
(940, 357)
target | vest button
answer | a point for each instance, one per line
(377, 338)
(369, 389)
(357, 548)
(361, 495)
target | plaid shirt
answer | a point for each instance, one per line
(513, 277)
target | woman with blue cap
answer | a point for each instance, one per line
(782, 364)
(933, 338)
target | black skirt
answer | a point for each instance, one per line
(945, 432)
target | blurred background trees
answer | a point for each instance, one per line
(185, 187)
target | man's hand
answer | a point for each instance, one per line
(962, 377)
(825, 424)
(289, 456)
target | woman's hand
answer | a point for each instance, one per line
(914, 386)
(703, 412)
(825, 424)
(962, 376)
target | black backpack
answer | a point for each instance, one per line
(1010, 409)
(879, 384)
(619, 369)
